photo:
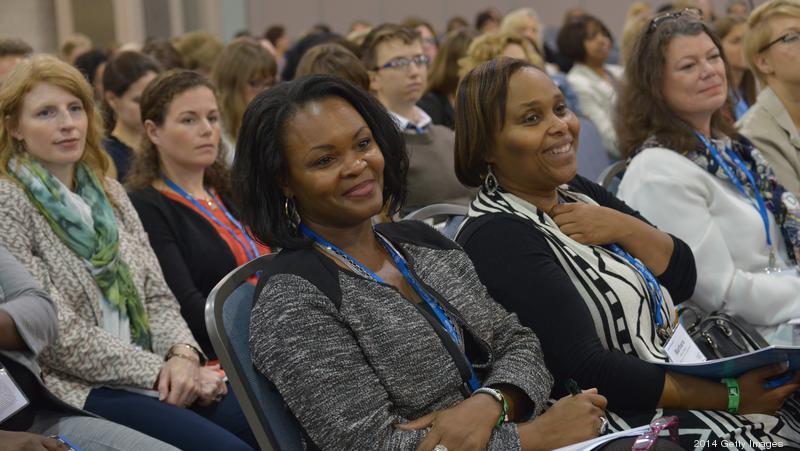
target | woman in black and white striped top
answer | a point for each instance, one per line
(594, 280)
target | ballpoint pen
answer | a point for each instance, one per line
(572, 387)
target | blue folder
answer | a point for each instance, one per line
(738, 365)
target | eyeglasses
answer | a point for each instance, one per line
(692, 13)
(428, 42)
(648, 439)
(404, 63)
(789, 38)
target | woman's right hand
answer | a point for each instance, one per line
(178, 382)
(211, 385)
(755, 398)
(571, 419)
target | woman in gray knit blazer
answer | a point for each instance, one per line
(379, 337)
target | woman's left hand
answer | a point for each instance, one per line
(466, 426)
(590, 224)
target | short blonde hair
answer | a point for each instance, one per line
(48, 69)
(491, 45)
(759, 32)
(514, 22)
(199, 50)
(73, 42)
(638, 9)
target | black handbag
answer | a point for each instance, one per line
(719, 334)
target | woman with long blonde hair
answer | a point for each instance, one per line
(244, 69)
(121, 339)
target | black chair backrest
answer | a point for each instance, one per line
(228, 322)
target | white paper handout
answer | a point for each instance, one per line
(12, 400)
(603, 439)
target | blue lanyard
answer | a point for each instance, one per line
(250, 248)
(759, 200)
(741, 108)
(400, 262)
(653, 287)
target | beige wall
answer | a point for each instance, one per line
(339, 13)
(36, 21)
(32, 20)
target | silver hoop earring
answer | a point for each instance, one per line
(490, 181)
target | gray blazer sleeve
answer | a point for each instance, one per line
(302, 344)
(519, 358)
(517, 353)
(22, 298)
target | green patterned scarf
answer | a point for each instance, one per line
(97, 246)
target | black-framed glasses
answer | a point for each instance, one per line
(404, 63)
(692, 13)
(791, 37)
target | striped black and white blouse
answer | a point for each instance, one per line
(591, 309)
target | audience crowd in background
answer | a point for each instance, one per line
(135, 177)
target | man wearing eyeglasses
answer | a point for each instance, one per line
(772, 50)
(398, 74)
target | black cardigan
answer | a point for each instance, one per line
(518, 266)
(121, 154)
(192, 255)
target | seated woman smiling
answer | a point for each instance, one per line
(368, 332)
(591, 277)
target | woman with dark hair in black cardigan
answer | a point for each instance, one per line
(181, 190)
(378, 337)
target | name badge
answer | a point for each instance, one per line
(12, 400)
(681, 349)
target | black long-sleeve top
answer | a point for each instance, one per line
(521, 271)
(193, 256)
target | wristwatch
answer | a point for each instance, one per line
(497, 395)
(201, 358)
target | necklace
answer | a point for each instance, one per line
(205, 199)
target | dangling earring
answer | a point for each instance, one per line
(290, 210)
(490, 181)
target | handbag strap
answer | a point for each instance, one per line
(748, 332)
(458, 356)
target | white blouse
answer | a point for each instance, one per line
(726, 234)
(597, 98)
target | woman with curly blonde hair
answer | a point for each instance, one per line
(492, 45)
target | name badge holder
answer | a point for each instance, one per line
(681, 348)
(653, 289)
